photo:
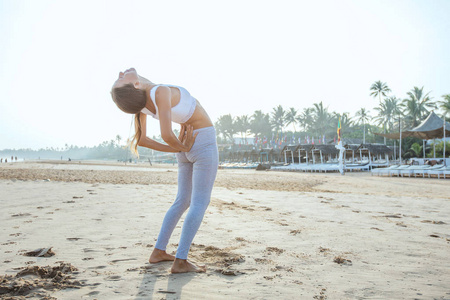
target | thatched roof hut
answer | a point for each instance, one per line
(270, 155)
(375, 152)
(351, 150)
(375, 149)
(291, 153)
(326, 149)
(321, 150)
(290, 148)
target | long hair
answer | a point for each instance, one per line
(131, 100)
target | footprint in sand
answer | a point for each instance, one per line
(281, 268)
(124, 259)
(113, 278)
(376, 228)
(93, 293)
(263, 261)
(21, 215)
(97, 267)
(73, 239)
(433, 222)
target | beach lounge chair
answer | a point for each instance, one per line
(396, 171)
(381, 171)
(360, 167)
(412, 170)
(445, 171)
(329, 168)
(425, 171)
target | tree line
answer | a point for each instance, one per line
(317, 121)
(113, 149)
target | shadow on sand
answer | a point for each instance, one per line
(158, 283)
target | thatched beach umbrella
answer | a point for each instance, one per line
(431, 128)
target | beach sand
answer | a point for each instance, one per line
(265, 235)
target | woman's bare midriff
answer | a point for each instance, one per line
(200, 118)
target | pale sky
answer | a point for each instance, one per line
(58, 59)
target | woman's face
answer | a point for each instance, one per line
(128, 76)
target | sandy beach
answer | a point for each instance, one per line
(266, 234)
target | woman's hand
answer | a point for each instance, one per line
(187, 136)
(182, 134)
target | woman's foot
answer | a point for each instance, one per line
(160, 255)
(183, 266)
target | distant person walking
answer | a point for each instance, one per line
(195, 148)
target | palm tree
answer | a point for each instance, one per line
(225, 126)
(445, 104)
(416, 106)
(291, 117)
(387, 111)
(278, 118)
(379, 89)
(260, 123)
(237, 124)
(416, 149)
(242, 125)
(118, 139)
(363, 116)
(346, 122)
(321, 118)
(306, 118)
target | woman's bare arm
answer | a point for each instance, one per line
(163, 101)
(149, 143)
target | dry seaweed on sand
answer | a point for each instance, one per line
(342, 261)
(40, 252)
(32, 279)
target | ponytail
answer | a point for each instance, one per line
(137, 135)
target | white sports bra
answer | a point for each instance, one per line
(181, 112)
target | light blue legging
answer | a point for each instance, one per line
(197, 171)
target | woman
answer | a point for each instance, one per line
(196, 150)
